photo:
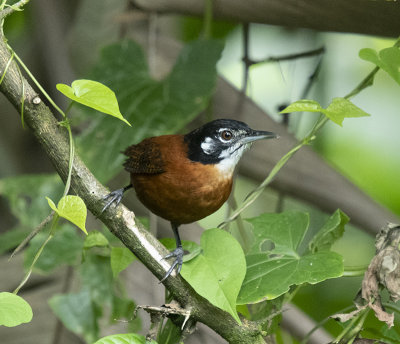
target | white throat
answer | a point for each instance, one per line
(230, 159)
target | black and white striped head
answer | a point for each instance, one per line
(222, 142)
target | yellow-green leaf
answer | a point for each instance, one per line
(71, 208)
(342, 108)
(337, 111)
(14, 310)
(93, 94)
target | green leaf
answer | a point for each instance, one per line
(303, 105)
(341, 108)
(71, 208)
(94, 95)
(97, 277)
(337, 111)
(64, 248)
(387, 59)
(126, 338)
(267, 278)
(25, 195)
(331, 231)
(95, 239)
(121, 258)
(244, 310)
(274, 263)
(217, 273)
(77, 314)
(156, 107)
(14, 310)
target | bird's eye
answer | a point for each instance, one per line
(226, 135)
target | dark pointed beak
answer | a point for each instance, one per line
(259, 135)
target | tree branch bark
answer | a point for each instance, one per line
(120, 221)
(359, 16)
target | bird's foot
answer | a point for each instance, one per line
(178, 254)
(113, 197)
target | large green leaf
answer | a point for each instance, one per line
(64, 248)
(14, 310)
(388, 59)
(274, 263)
(96, 276)
(26, 196)
(217, 273)
(285, 231)
(77, 313)
(152, 107)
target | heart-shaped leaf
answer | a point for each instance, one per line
(337, 111)
(14, 310)
(94, 95)
(388, 59)
(71, 208)
(341, 108)
(217, 273)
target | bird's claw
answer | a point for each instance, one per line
(178, 254)
(113, 197)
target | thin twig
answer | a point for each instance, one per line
(296, 56)
(32, 234)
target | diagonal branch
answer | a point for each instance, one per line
(12, 8)
(120, 221)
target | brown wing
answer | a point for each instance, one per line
(144, 158)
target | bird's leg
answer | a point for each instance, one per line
(177, 253)
(115, 197)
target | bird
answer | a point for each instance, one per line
(184, 178)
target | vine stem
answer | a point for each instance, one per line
(64, 123)
(38, 253)
(208, 18)
(353, 328)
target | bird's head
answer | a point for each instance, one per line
(222, 142)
